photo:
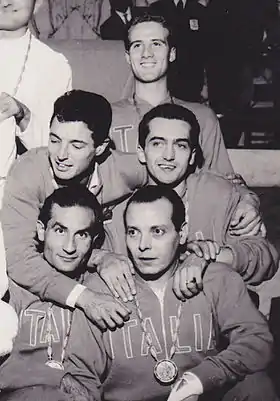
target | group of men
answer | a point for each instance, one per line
(125, 293)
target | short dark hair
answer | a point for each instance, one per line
(74, 195)
(149, 16)
(152, 193)
(90, 108)
(171, 111)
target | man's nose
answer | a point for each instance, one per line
(145, 242)
(147, 51)
(169, 152)
(63, 152)
(69, 245)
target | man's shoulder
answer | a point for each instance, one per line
(35, 159)
(120, 105)
(219, 276)
(200, 110)
(212, 180)
(48, 51)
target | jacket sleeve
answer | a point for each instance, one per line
(250, 342)
(254, 258)
(86, 358)
(212, 144)
(20, 211)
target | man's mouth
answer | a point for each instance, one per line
(147, 64)
(68, 259)
(62, 166)
(146, 259)
(167, 167)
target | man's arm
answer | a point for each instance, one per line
(20, 212)
(86, 358)
(253, 257)
(250, 342)
(23, 193)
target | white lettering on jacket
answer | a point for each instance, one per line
(196, 336)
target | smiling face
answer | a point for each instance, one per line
(149, 53)
(67, 237)
(71, 149)
(167, 152)
(151, 237)
(15, 14)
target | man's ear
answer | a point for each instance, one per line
(192, 157)
(141, 154)
(126, 55)
(172, 54)
(101, 148)
(40, 230)
(183, 233)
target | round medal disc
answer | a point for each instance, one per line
(54, 364)
(165, 371)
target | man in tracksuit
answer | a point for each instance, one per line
(169, 148)
(168, 341)
(70, 224)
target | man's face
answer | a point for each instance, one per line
(151, 236)
(71, 149)
(15, 14)
(167, 152)
(149, 52)
(67, 237)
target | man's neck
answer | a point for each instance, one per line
(13, 34)
(181, 188)
(152, 92)
(160, 283)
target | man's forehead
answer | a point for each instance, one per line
(169, 128)
(73, 129)
(156, 213)
(149, 30)
(72, 216)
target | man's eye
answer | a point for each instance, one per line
(78, 146)
(182, 145)
(156, 44)
(59, 230)
(54, 140)
(136, 46)
(131, 232)
(158, 231)
(156, 144)
(83, 235)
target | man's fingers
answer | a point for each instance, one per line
(195, 248)
(176, 285)
(247, 228)
(111, 287)
(119, 288)
(131, 284)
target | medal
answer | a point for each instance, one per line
(54, 364)
(165, 371)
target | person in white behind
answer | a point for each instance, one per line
(32, 77)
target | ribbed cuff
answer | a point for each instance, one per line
(74, 295)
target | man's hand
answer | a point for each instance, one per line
(187, 280)
(204, 249)
(187, 388)
(246, 220)
(236, 179)
(103, 309)
(117, 271)
(11, 107)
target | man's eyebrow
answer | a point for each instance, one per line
(157, 138)
(57, 223)
(53, 134)
(182, 140)
(78, 141)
